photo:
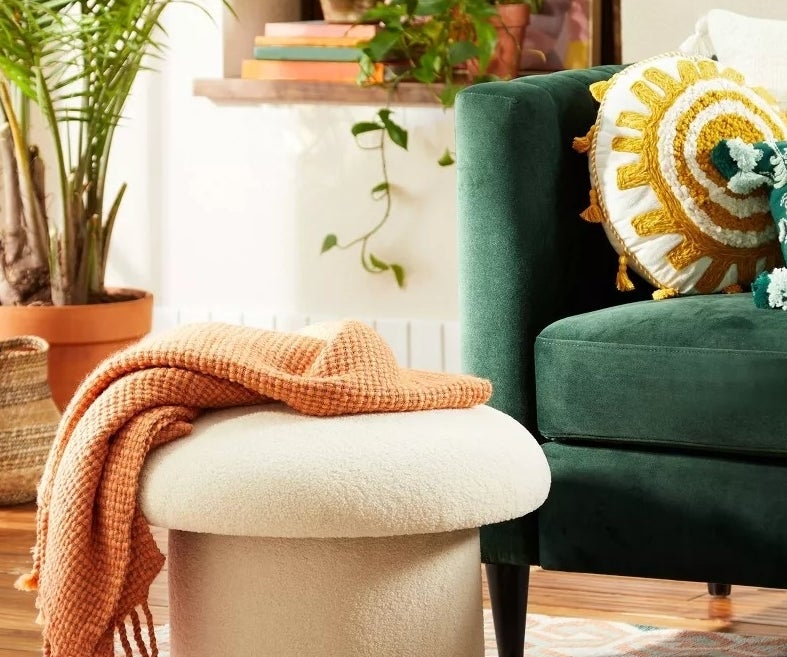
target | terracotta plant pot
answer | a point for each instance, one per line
(80, 337)
(511, 26)
(345, 11)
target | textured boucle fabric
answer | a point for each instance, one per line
(94, 557)
(395, 596)
(277, 473)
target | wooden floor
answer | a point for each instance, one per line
(651, 602)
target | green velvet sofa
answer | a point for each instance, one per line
(663, 422)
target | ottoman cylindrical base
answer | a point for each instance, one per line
(399, 596)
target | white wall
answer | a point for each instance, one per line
(652, 27)
(229, 204)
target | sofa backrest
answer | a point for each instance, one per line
(526, 258)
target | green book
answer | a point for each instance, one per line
(307, 53)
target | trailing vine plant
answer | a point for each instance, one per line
(427, 41)
(384, 126)
(450, 42)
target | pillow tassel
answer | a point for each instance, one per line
(665, 293)
(593, 214)
(622, 280)
(733, 289)
(582, 144)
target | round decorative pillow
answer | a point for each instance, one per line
(665, 207)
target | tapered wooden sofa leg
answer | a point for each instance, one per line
(508, 593)
(719, 590)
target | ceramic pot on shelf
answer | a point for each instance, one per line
(345, 11)
(511, 24)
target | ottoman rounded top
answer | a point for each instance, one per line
(269, 471)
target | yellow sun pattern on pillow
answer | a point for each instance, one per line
(666, 209)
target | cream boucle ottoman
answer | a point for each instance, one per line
(352, 536)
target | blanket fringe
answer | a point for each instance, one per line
(149, 649)
(140, 641)
(28, 582)
(151, 630)
(123, 636)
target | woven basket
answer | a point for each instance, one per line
(28, 417)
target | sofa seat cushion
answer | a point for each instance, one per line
(693, 373)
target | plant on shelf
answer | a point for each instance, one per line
(69, 65)
(445, 44)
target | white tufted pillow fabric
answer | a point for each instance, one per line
(665, 208)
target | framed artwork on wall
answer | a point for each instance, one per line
(565, 34)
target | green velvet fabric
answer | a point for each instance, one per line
(700, 372)
(526, 261)
(666, 515)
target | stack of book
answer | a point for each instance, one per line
(310, 50)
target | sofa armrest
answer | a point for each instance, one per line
(526, 258)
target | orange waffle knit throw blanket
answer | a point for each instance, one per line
(95, 558)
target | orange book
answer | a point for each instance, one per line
(323, 42)
(320, 29)
(263, 69)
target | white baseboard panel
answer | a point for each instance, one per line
(417, 343)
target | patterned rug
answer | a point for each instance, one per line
(549, 636)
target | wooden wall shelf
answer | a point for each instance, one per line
(236, 90)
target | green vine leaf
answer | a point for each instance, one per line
(486, 40)
(380, 190)
(428, 68)
(398, 272)
(431, 7)
(446, 160)
(366, 69)
(389, 14)
(382, 43)
(397, 133)
(379, 13)
(461, 51)
(448, 95)
(365, 126)
(377, 263)
(328, 243)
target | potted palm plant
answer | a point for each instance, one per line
(69, 64)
